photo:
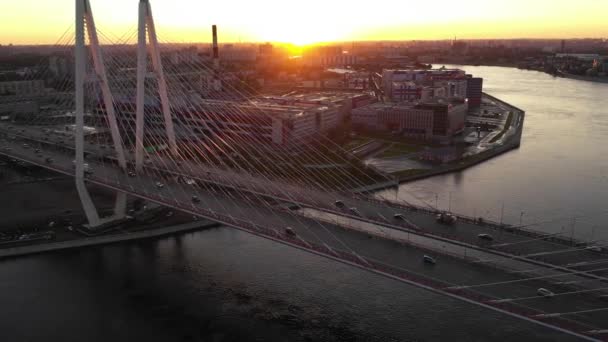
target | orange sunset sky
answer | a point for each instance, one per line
(304, 22)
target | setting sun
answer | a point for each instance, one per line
(300, 33)
(317, 21)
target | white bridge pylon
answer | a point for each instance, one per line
(84, 19)
(85, 24)
(147, 29)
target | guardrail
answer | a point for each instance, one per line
(523, 231)
(503, 102)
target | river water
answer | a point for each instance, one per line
(557, 181)
(225, 285)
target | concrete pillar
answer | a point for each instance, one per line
(80, 65)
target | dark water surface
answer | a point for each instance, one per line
(224, 285)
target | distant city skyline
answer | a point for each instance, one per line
(36, 22)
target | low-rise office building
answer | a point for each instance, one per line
(265, 122)
(430, 85)
(436, 120)
(22, 88)
(474, 90)
(344, 101)
(256, 121)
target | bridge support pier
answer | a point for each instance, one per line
(80, 53)
(142, 69)
(84, 16)
(159, 72)
(147, 32)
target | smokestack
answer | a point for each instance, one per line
(216, 50)
(217, 85)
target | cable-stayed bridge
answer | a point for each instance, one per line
(175, 134)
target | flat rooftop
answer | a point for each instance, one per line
(314, 96)
(436, 102)
(266, 107)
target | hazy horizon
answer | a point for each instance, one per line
(201, 42)
(29, 22)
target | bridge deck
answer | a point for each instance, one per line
(390, 254)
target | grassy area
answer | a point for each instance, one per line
(400, 149)
(473, 158)
(400, 145)
(386, 137)
(356, 142)
(505, 129)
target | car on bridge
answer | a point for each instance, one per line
(545, 293)
(290, 231)
(446, 218)
(339, 204)
(160, 185)
(486, 237)
(195, 199)
(429, 260)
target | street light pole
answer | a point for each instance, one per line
(521, 218)
(450, 203)
(437, 202)
(572, 230)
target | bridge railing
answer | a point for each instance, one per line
(519, 230)
(296, 197)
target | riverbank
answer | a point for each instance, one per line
(509, 144)
(497, 64)
(584, 78)
(562, 74)
(105, 239)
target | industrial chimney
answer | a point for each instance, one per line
(216, 50)
(216, 61)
